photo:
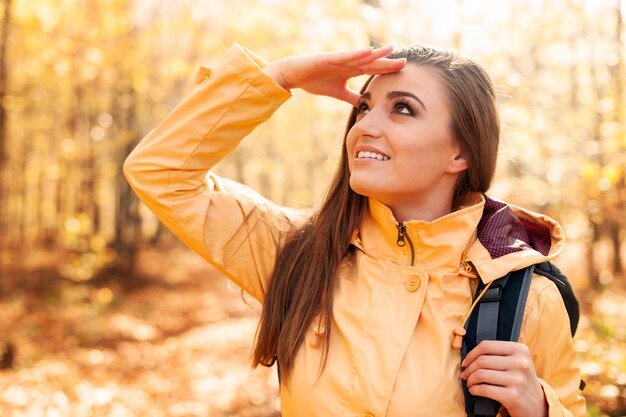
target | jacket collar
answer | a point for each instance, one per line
(436, 244)
(495, 237)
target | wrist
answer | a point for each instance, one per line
(274, 70)
(544, 405)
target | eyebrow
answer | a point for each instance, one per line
(395, 94)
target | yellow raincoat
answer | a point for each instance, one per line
(394, 311)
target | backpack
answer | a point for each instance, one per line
(498, 316)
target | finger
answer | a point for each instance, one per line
(384, 66)
(495, 392)
(376, 54)
(496, 363)
(489, 376)
(345, 57)
(489, 347)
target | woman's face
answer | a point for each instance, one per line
(401, 150)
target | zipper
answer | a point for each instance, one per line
(403, 238)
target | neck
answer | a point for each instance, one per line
(428, 210)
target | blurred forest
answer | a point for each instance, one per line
(104, 313)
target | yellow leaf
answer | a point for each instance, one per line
(612, 172)
(589, 171)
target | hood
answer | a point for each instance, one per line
(511, 238)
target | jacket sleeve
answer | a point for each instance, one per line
(546, 331)
(228, 224)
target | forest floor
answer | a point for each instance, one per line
(176, 341)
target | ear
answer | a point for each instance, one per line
(458, 161)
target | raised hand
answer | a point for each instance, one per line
(327, 73)
(504, 371)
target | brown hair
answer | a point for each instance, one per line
(303, 281)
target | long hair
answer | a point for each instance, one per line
(303, 281)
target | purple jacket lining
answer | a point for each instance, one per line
(501, 232)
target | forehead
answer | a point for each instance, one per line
(425, 82)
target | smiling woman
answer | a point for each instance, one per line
(363, 299)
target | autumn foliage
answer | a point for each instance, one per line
(103, 313)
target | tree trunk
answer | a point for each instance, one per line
(614, 234)
(127, 219)
(4, 38)
(620, 118)
(127, 223)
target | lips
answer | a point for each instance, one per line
(368, 152)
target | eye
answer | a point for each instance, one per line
(402, 107)
(362, 108)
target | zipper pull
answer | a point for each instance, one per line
(401, 233)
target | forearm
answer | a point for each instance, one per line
(215, 217)
(229, 102)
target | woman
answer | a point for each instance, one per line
(361, 301)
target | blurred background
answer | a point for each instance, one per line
(104, 313)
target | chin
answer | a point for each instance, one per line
(362, 189)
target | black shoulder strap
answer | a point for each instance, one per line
(498, 315)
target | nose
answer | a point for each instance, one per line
(368, 125)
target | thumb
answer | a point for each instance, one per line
(349, 96)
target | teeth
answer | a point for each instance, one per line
(372, 155)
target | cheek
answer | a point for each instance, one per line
(426, 158)
(349, 145)
(349, 142)
(434, 144)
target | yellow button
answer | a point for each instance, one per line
(412, 284)
(368, 415)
